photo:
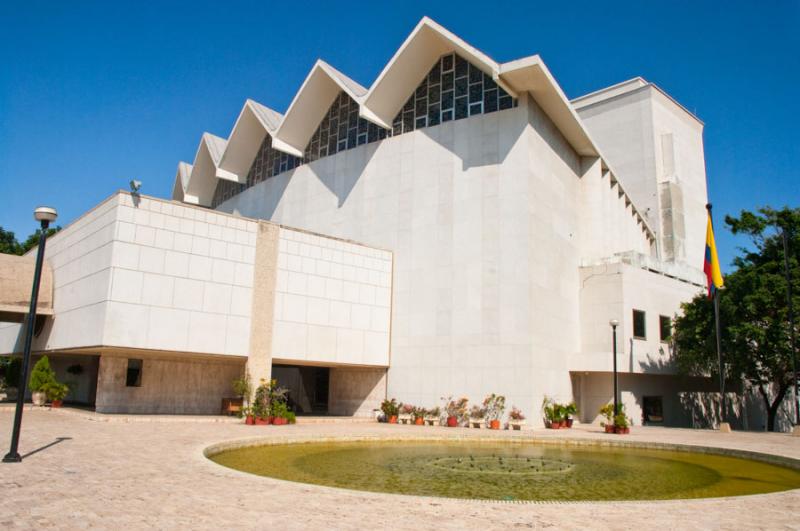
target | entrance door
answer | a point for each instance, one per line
(653, 410)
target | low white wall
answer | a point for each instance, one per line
(333, 301)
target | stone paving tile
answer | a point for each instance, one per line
(153, 475)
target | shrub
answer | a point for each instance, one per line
(456, 408)
(41, 375)
(56, 391)
(515, 414)
(390, 408)
(608, 413)
(477, 412)
(494, 406)
(241, 387)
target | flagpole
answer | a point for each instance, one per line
(723, 426)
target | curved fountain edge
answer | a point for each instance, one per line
(235, 444)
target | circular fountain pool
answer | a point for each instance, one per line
(504, 470)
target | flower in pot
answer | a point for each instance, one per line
(621, 423)
(550, 413)
(406, 412)
(390, 409)
(607, 411)
(280, 413)
(41, 376)
(249, 416)
(433, 416)
(455, 410)
(476, 416)
(56, 392)
(570, 410)
(515, 418)
(494, 405)
(419, 416)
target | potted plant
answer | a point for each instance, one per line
(406, 410)
(419, 416)
(621, 422)
(569, 411)
(433, 416)
(607, 411)
(494, 405)
(280, 413)
(41, 376)
(56, 392)
(455, 410)
(242, 390)
(516, 419)
(390, 409)
(476, 416)
(551, 412)
(249, 417)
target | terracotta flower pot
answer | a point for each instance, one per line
(56, 403)
(622, 431)
(609, 428)
(452, 422)
(279, 421)
(419, 421)
(494, 424)
(261, 421)
(250, 420)
(393, 419)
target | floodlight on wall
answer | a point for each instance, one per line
(135, 186)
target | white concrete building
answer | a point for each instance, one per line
(500, 227)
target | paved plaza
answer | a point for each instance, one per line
(84, 470)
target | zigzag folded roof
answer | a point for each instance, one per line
(310, 104)
(203, 178)
(254, 122)
(181, 180)
(427, 42)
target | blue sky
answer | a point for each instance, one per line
(93, 94)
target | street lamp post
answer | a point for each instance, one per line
(44, 215)
(614, 323)
(788, 273)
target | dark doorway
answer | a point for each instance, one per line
(308, 387)
(653, 410)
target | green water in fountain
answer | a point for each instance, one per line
(512, 471)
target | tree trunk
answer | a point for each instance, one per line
(772, 406)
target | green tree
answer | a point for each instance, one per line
(753, 312)
(10, 245)
(8, 242)
(41, 375)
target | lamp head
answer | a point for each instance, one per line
(44, 213)
(614, 323)
(135, 185)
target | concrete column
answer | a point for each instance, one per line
(262, 316)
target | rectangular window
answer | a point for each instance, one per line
(133, 377)
(665, 328)
(639, 328)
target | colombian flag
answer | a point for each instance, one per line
(711, 263)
